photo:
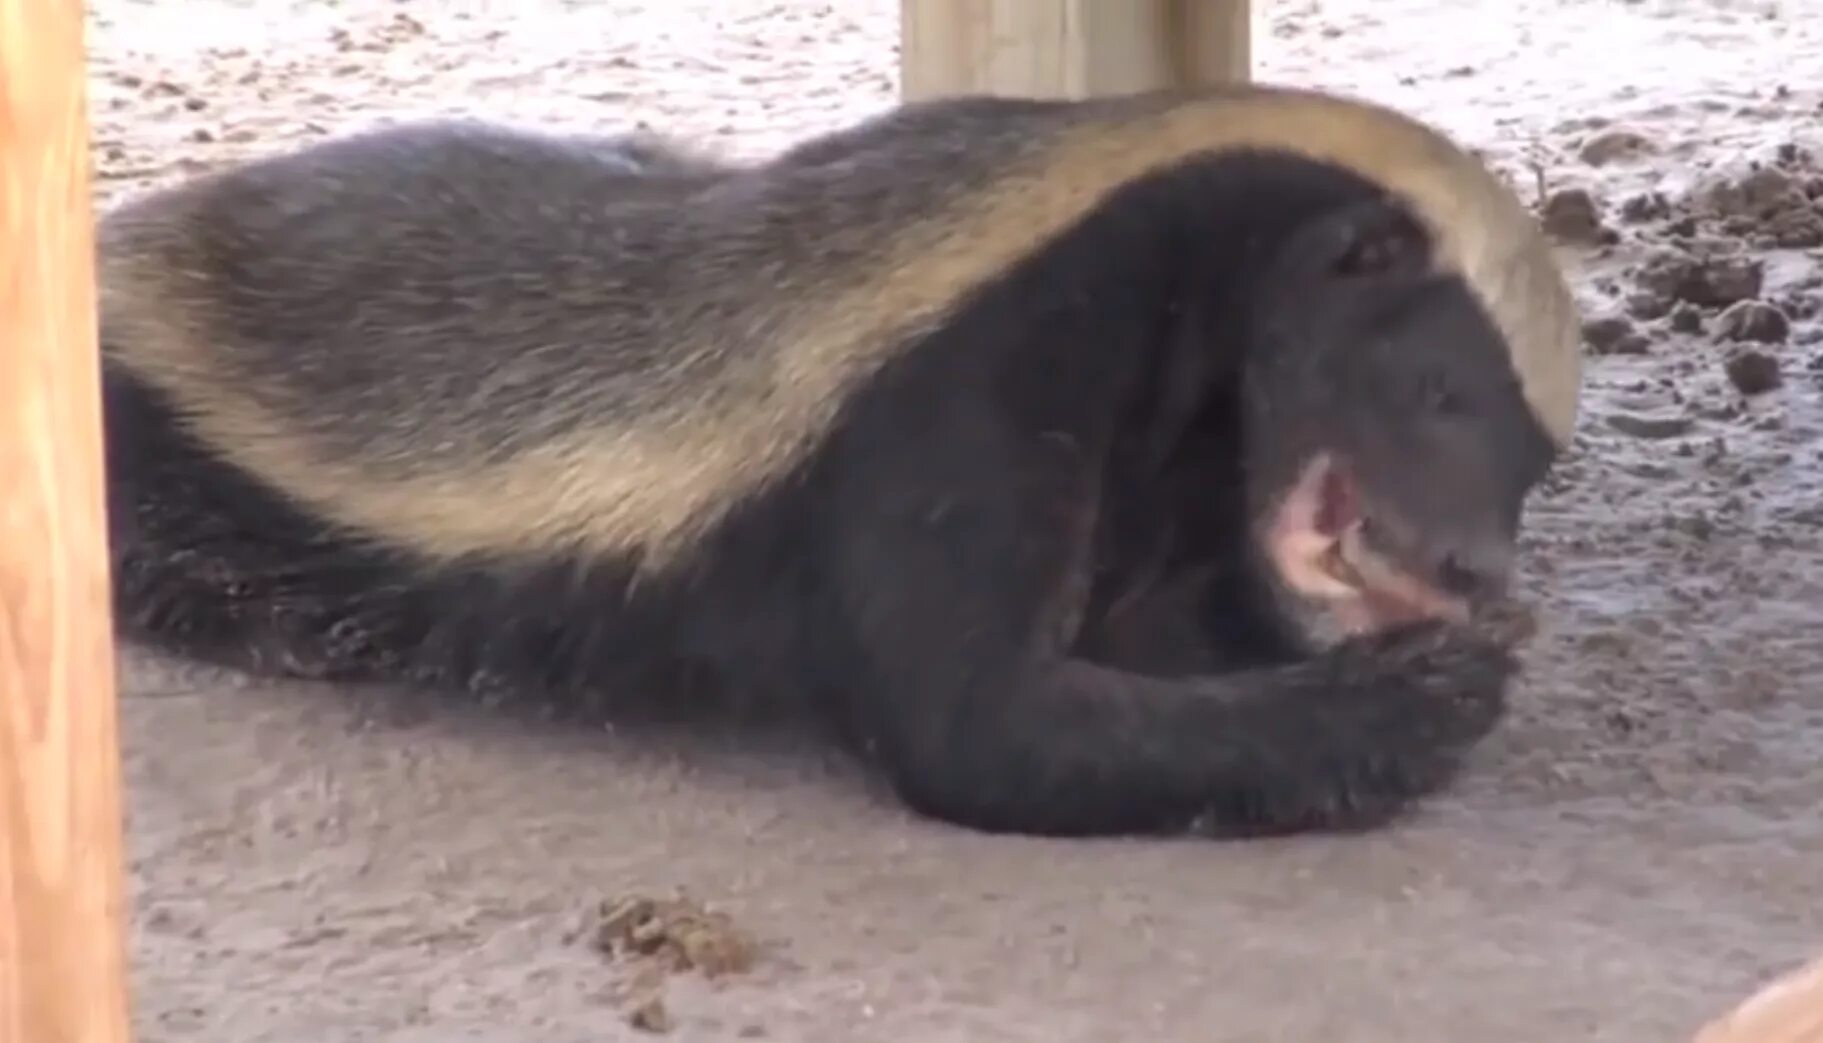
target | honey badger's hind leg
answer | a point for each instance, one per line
(212, 566)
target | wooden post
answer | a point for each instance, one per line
(1070, 48)
(62, 945)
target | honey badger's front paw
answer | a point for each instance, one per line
(1435, 684)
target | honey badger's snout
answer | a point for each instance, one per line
(1466, 558)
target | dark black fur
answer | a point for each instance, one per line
(1017, 574)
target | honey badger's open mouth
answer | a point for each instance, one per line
(1318, 544)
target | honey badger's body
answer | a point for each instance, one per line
(907, 421)
(650, 160)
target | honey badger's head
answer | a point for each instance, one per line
(1389, 435)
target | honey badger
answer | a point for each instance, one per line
(1113, 466)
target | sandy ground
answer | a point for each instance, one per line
(1636, 850)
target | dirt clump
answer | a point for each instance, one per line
(1614, 145)
(1754, 321)
(1706, 269)
(1686, 318)
(1613, 335)
(1757, 193)
(650, 1015)
(1799, 306)
(1572, 215)
(1711, 282)
(1647, 306)
(1753, 372)
(677, 933)
(1760, 205)
(1650, 427)
(1773, 207)
(1647, 206)
(659, 937)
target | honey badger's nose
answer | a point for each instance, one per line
(1474, 568)
(1467, 562)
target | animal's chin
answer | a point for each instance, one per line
(1317, 545)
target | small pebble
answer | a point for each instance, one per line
(1603, 333)
(650, 1015)
(1649, 206)
(1645, 305)
(1572, 215)
(1651, 427)
(1631, 344)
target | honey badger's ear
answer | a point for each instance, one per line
(1373, 239)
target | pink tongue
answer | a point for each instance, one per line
(1337, 508)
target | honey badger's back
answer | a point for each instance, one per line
(355, 391)
(441, 333)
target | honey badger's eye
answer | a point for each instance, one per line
(1438, 394)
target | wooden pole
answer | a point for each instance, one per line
(1070, 48)
(1214, 43)
(62, 958)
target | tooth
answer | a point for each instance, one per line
(1338, 566)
